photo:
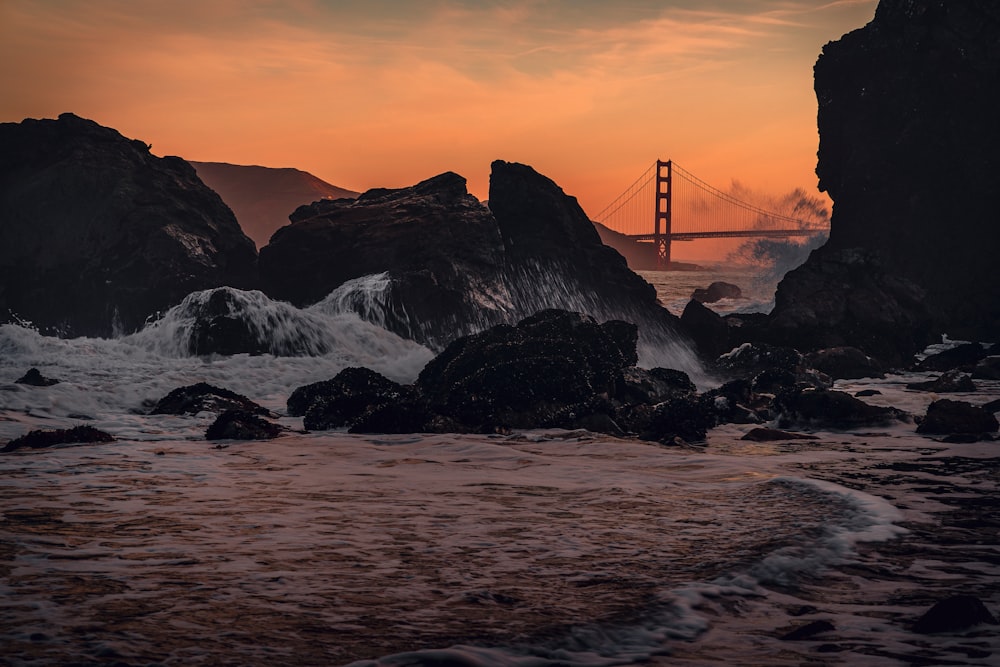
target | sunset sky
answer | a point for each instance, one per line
(389, 92)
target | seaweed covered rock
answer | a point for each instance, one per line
(236, 424)
(946, 416)
(41, 438)
(203, 397)
(520, 376)
(343, 400)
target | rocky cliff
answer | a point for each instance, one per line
(97, 234)
(432, 263)
(910, 154)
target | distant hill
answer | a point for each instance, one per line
(640, 256)
(263, 197)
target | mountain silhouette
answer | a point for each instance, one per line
(263, 197)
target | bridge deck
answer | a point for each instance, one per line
(744, 233)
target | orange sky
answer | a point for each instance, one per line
(389, 92)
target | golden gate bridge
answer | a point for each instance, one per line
(668, 203)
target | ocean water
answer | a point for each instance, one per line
(531, 549)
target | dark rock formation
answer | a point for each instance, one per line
(35, 378)
(236, 424)
(203, 397)
(954, 614)
(529, 375)
(346, 398)
(844, 363)
(946, 416)
(41, 439)
(707, 329)
(954, 381)
(908, 153)
(963, 356)
(821, 409)
(440, 264)
(262, 197)
(750, 359)
(716, 292)
(98, 234)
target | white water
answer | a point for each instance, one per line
(540, 548)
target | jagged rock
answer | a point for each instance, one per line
(717, 291)
(823, 408)
(35, 378)
(707, 329)
(431, 263)
(774, 435)
(749, 359)
(953, 381)
(345, 399)
(522, 376)
(908, 146)
(40, 439)
(683, 417)
(735, 403)
(844, 363)
(655, 385)
(962, 356)
(203, 397)
(954, 614)
(946, 416)
(239, 424)
(98, 234)
(406, 416)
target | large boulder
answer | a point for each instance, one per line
(908, 153)
(717, 291)
(42, 438)
(946, 416)
(97, 234)
(535, 374)
(432, 263)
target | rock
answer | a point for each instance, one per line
(406, 416)
(987, 369)
(655, 385)
(437, 250)
(962, 356)
(773, 435)
(749, 359)
(828, 409)
(99, 234)
(867, 392)
(707, 329)
(844, 363)
(992, 406)
(203, 397)
(807, 631)
(908, 146)
(343, 400)
(717, 291)
(40, 439)
(681, 417)
(954, 614)
(236, 424)
(953, 381)
(946, 416)
(848, 298)
(735, 403)
(35, 378)
(522, 376)
(432, 264)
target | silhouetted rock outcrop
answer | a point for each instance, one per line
(41, 439)
(954, 614)
(716, 292)
(946, 416)
(432, 263)
(203, 397)
(35, 378)
(97, 234)
(908, 153)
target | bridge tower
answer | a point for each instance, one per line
(664, 203)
